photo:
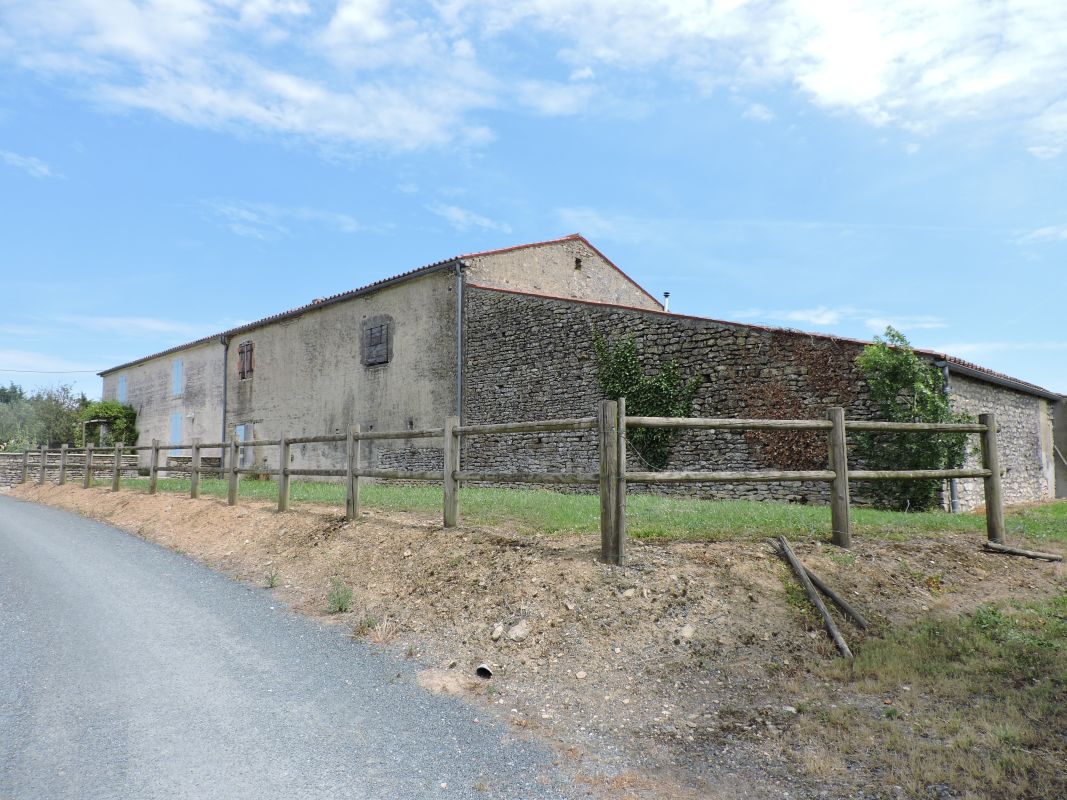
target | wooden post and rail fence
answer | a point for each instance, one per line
(612, 478)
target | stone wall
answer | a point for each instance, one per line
(531, 357)
(11, 467)
(1024, 439)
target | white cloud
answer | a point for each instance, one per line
(1051, 233)
(133, 326)
(824, 315)
(985, 349)
(905, 322)
(29, 361)
(28, 164)
(461, 219)
(554, 99)
(1044, 152)
(403, 75)
(821, 315)
(758, 113)
(268, 221)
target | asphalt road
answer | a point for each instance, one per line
(129, 671)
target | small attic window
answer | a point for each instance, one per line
(577, 263)
(377, 341)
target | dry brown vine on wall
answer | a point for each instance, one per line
(819, 374)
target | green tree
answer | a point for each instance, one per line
(665, 393)
(19, 428)
(120, 421)
(12, 393)
(907, 388)
(56, 411)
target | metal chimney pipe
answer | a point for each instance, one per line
(666, 301)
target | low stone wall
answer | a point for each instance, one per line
(11, 467)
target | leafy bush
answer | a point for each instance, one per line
(120, 421)
(907, 388)
(663, 394)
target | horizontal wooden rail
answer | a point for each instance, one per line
(528, 477)
(323, 439)
(425, 433)
(544, 426)
(323, 473)
(915, 474)
(764, 476)
(915, 427)
(398, 474)
(729, 424)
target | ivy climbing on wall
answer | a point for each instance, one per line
(662, 391)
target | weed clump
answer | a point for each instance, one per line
(339, 598)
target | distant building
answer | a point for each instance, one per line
(507, 335)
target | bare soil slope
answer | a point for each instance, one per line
(678, 675)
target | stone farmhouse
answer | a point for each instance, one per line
(508, 335)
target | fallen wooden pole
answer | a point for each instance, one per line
(813, 596)
(834, 597)
(996, 547)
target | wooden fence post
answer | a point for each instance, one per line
(194, 470)
(609, 481)
(25, 464)
(840, 521)
(283, 473)
(620, 482)
(231, 495)
(352, 466)
(116, 474)
(87, 478)
(451, 467)
(44, 464)
(994, 500)
(153, 467)
(63, 464)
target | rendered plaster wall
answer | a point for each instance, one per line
(309, 375)
(569, 268)
(1060, 441)
(198, 400)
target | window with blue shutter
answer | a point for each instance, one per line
(122, 389)
(176, 378)
(175, 432)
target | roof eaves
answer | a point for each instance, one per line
(296, 312)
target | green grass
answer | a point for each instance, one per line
(648, 516)
(976, 703)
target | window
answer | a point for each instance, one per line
(120, 394)
(176, 431)
(243, 434)
(176, 378)
(377, 347)
(244, 360)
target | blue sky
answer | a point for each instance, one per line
(170, 169)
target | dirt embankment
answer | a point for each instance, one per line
(677, 675)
